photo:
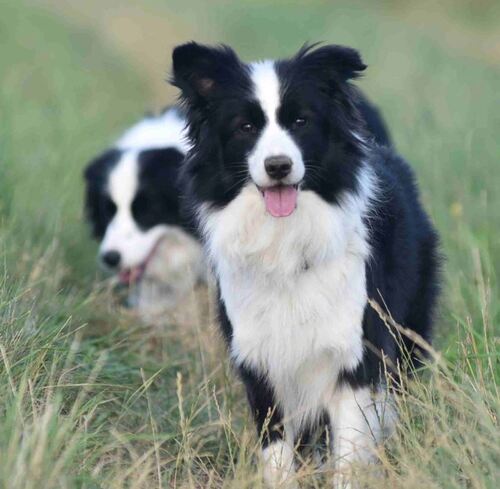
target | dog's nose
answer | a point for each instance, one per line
(111, 258)
(278, 167)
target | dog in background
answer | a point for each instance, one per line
(305, 218)
(132, 203)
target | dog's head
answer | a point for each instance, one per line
(285, 125)
(132, 200)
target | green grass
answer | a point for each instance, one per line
(90, 398)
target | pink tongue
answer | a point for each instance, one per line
(124, 277)
(131, 275)
(280, 201)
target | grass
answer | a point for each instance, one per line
(90, 398)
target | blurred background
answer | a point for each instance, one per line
(74, 75)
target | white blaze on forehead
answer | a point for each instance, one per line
(274, 139)
(267, 87)
(123, 234)
(122, 183)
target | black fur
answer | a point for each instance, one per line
(402, 274)
(217, 90)
(99, 209)
(343, 133)
(158, 197)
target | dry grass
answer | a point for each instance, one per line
(93, 399)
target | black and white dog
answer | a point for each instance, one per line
(305, 219)
(133, 204)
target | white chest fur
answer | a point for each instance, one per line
(294, 289)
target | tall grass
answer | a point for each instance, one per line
(91, 398)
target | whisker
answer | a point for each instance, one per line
(237, 183)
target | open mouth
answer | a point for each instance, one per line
(280, 200)
(132, 275)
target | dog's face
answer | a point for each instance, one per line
(286, 126)
(132, 200)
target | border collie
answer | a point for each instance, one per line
(304, 220)
(133, 204)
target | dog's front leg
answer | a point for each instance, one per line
(358, 418)
(278, 458)
(277, 439)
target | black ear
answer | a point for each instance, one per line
(332, 61)
(95, 175)
(100, 166)
(201, 71)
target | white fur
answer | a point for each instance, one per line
(171, 274)
(278, 464)
(295, 292)
(177, 263)
(360, 419)
(172, 258)
(274, 139)
(123, 234)
(166, 130)
(294, 289)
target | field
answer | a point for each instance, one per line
(91, 398)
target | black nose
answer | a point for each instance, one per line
(111, 258)
(278, 167)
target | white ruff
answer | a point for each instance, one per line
(170, 276)
(294, 290)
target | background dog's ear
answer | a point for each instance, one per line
(95, 177)
(199, 71)
(332, 61)
(99, 166)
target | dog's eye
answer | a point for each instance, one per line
(247, 127)
(300, 122)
